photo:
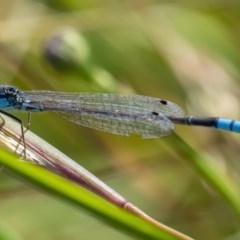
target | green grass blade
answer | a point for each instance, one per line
(80, 197)
(209, 173)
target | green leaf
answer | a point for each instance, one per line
(80, 197)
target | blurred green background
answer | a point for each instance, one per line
(183, 51)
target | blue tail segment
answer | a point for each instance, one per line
(220, 123)
(228, 124)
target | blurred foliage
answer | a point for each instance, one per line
(183, 51)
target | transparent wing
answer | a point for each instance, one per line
(113, 113)
(146, 125)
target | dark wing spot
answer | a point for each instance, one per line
(155, 113)
(164, 102)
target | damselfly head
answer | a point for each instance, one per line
(6, 91)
